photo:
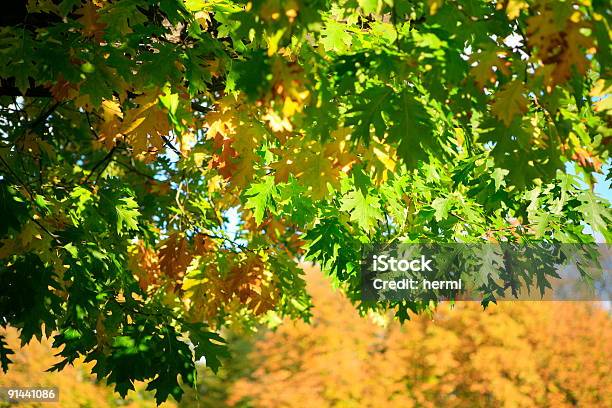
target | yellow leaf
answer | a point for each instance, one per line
(132, 123)
(252, 285)
(110, 110)
(434, 6)
(510, 102)
(573, 56)
(215, 183)
(273, 41)
(246, 146)
(187, 140)
(514, 8)
(203, 18)
(145, 125)
(288, 95)
(560, 45)
(111, 124)
(277, 123)
(385, 159)
(144, 264)
(312, 164)
(380, 157)
(236, 139)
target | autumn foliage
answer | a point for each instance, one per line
(165, 165)
(515, 354)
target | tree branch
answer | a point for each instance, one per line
(136, 171)
(105, 159)
(171, 146)
(8, 89)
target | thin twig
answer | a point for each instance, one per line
(510, 227)
(108, 162)
(135, 170)
(91, 128)
(199, 108)
(108, 156)
(458, 216)
(52, 235)
(17, 177)
(43, 116)
(171, 146)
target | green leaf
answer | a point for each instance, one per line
(369, 6)
(333, 247)
(260, 197)
(370, 104)
(490, 261)
(361, 180)
(251, 76)
(9, 205)
(499, 176)
(369, 112)
(364, 209)
(66, 6)
(540, 223)
(335, 38)
(411, 129)
(596, 213)
(208, 345)
(295, 202)
(127, 215)
(442, 205)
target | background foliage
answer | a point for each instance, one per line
(515, 354)
(165, 163)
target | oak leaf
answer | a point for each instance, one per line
(90, 19)
(145, 126)
(144, 263)
(491, 62)
(559, 44)
(174, 256)
(510, 102)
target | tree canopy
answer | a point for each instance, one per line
(165, 164)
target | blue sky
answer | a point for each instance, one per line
(602, 187)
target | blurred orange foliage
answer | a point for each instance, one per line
(515, 354)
